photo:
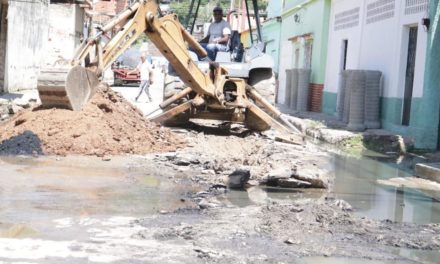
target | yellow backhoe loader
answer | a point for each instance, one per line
(210, 94)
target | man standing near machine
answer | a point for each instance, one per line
(218, 35)
(146, 71)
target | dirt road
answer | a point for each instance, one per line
(178, 208)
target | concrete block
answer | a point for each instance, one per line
(356, 82)
(372, 99)
(429, 171)
(294, 88)
(303, 89)
(288, 91)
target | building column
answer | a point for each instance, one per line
(427, 130)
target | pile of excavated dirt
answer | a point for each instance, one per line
(108, 125)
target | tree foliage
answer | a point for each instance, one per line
(181, 8)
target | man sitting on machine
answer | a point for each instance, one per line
(218, 35)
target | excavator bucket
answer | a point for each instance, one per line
(66, 88)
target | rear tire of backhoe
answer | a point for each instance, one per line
(172, 86)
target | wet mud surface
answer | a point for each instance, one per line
(178, 207)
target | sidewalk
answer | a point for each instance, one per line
(329, 129)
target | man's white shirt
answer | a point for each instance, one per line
(145, 68)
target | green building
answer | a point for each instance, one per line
(303, 45)
(271, 31)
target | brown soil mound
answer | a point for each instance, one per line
(108, 125)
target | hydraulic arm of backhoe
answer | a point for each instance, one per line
(142, 17)
(227, 98)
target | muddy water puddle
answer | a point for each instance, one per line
(356, 183)
(35, 192)
(84, 208)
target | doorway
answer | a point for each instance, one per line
(344, 54)
(409, 75)
(296, 58)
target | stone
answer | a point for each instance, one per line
(283, 173)
(293, 183)
(296, 208)
(13, 109)
(315, 176)
(253, 183)
(238, 178)
(210, 172)
(182, 162)
(343, 205)
(290, 241)
(205, 204)
(186, 160)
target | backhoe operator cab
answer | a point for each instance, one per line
(251, 64)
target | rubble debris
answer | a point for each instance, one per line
(108, 125)
(238, 178)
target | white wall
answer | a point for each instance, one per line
(380, 45)
(65, 28)
(27, 27)
(39, 35)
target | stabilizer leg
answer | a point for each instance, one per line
(172, 112)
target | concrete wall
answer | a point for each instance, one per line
(303, 23)
(377, 40)
(64, 32)
(37, 35)
(27, 30)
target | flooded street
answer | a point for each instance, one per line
(49, 204)
(129, 209)
(356, 183)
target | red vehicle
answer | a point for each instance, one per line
(121, 76)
